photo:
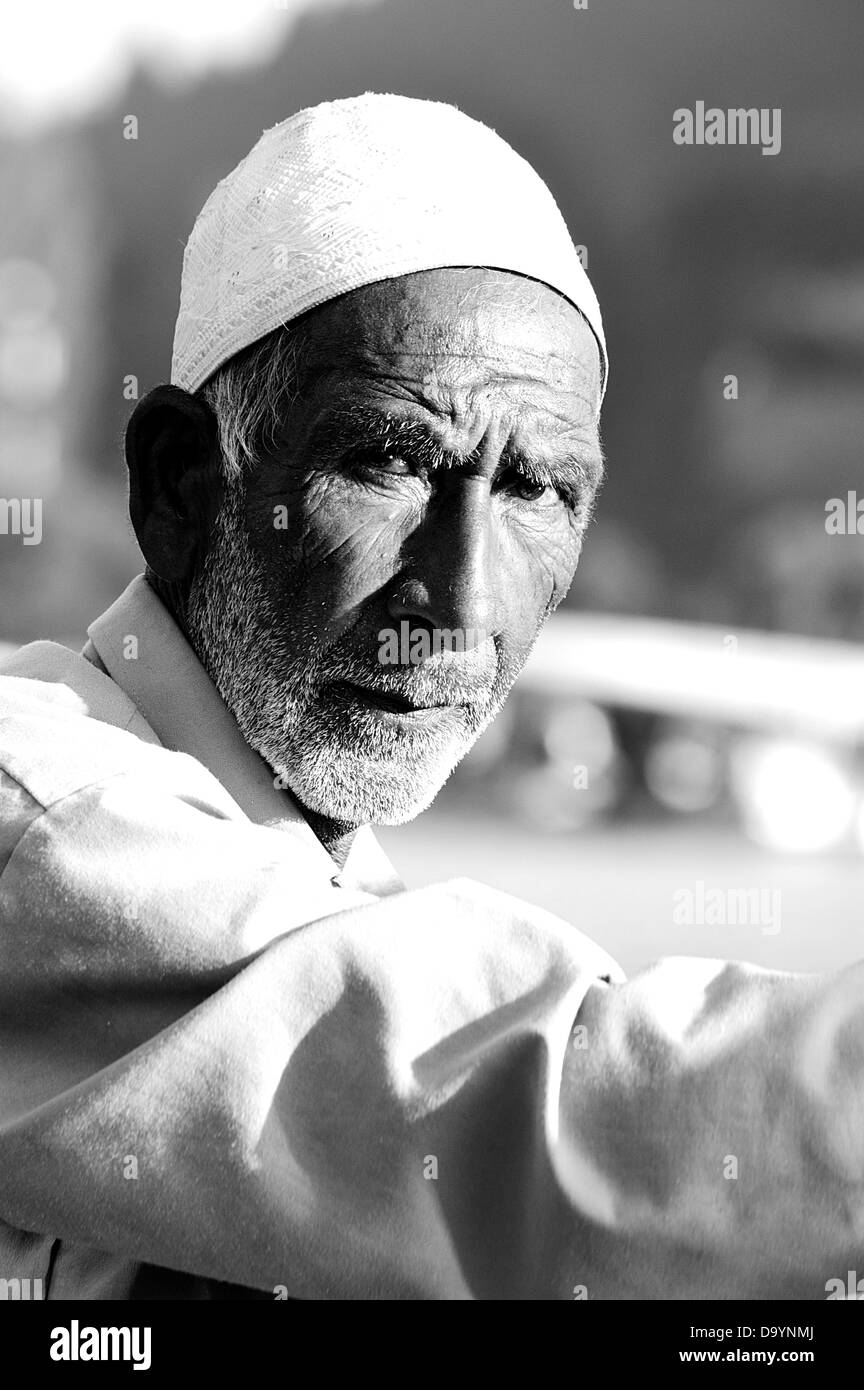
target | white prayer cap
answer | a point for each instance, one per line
(349, 192)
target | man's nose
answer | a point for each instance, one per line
(450, 578)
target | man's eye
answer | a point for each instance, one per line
(381, 461)
(528, 489)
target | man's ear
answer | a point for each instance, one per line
(175, 480)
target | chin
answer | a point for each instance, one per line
(356, 791)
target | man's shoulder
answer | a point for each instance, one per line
(64, 723)
(49, 674)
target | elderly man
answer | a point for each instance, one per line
(239, 1057)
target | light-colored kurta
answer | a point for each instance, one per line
(221, 1059)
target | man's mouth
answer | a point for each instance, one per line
(388, 701)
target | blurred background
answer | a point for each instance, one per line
(694, 714)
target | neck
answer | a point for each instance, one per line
(336, 836)
(172, 595)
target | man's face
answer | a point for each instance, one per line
(373, 588)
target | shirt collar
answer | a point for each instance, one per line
(143, 650)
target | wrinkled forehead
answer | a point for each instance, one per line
(469, 328)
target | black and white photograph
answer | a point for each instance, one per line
(431, 668)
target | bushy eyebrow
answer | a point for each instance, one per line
(347, 429)
(580, 468)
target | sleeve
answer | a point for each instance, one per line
(430, 1096)
(214, 1061)
(713, 1132)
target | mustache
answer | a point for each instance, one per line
(443, 678)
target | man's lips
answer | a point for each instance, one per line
(389, 701)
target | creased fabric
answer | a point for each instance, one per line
(227, 1069)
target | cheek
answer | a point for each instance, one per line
(327, 547)
(539, 560)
